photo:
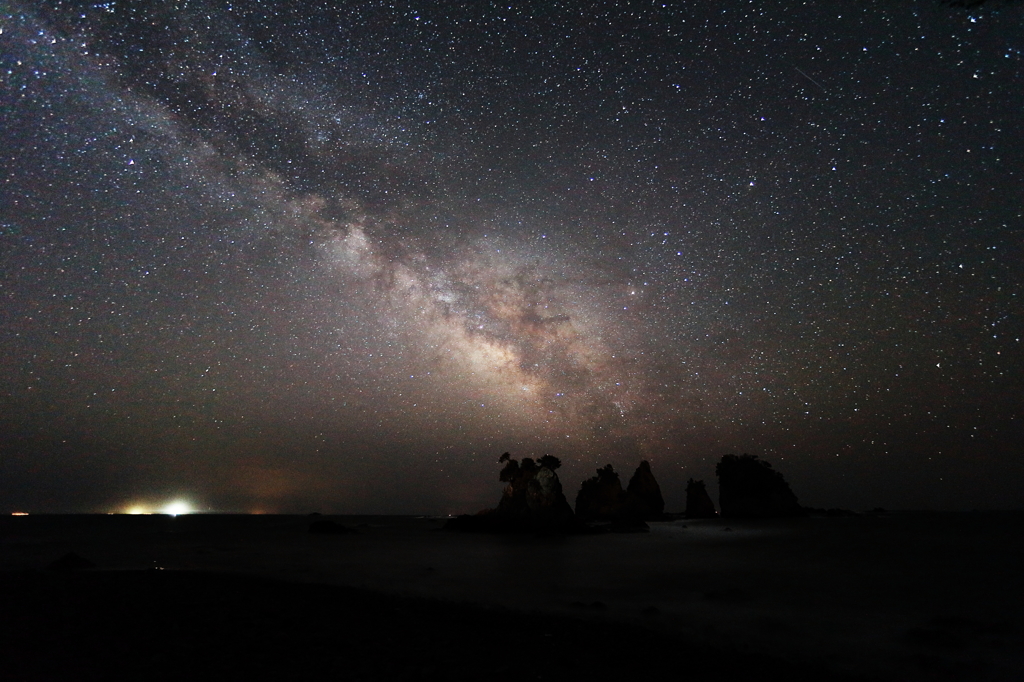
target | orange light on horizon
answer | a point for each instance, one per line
(19, 513)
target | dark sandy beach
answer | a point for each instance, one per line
(902, 596)
(174, 625)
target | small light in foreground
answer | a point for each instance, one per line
(19, 513)
(178, 507)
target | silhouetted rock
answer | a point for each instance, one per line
(644, 494)
(534, 494)
(601, 498)
(532, 501)
(71, 562)
(750, 488)
(698, 502)
(328, 527)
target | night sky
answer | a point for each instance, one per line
(273, 256)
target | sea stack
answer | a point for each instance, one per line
(601, 498)
(533, 496)
(698, 502)
(644, 494)
(531, 501)
(750, 488)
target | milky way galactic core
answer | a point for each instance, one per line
(273, 256)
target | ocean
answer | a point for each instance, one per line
(888, 595)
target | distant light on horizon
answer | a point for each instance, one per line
(178, 507)
(172, 508)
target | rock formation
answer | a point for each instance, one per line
(71, 562)
(602, 498)
(750, 488)
(534, 493)
(698, 502)
(645, 493)
(532, 500)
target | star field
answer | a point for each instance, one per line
(281, 256)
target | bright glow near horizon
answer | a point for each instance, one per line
(178, 507)
(174, 508)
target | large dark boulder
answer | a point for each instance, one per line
(749, 488)
(644, 494)
(698, 502)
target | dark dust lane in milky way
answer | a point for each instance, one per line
(269, 256)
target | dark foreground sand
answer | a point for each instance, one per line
(896, 596)
(180, 625)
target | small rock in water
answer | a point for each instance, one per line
(71, 562)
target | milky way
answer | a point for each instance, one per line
(277, 257)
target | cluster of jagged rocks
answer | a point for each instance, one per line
(533, 499)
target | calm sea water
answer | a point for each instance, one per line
(872, 593)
